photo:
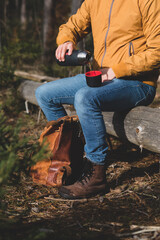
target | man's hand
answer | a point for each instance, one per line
(107, 74)
(62, 49)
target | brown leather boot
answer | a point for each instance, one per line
(91, 183)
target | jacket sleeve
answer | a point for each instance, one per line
(150, 58)
(78, 25)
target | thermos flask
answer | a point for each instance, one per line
(77, 58)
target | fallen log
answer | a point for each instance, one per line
(27, 90)
(140, 126)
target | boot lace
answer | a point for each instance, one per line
(87, 172)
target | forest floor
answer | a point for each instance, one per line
(131, 210)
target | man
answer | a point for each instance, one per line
(126, 36)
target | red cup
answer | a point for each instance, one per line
(93, 78)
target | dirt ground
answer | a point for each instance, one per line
(131, 210)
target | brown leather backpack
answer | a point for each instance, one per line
(66, 146)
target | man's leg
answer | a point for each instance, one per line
(51, 96)
(116, 95)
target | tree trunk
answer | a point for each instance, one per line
(5, 10)
(2, 4)
(48, 31)
(17, 4)
(75, 5)
(23, 15)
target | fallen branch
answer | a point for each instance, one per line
(33, 77)
(151, 228)
(144, 229)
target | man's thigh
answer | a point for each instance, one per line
(118, 95)
(63, 90)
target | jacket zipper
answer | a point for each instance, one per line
(131, 47)
(109, 20)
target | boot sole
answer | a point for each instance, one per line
(66, 196)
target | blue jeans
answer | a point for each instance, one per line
(115, 95)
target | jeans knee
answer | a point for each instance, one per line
(39, 93)
(82, 100)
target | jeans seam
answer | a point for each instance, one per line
(146, 95)
(96, 130)
(60, 97)
(95, 125)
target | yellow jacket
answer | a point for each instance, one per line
(126, 35)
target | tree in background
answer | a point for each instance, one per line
(49, 20)
(21, 37)
(55, 13)
(28, 29)
(75, 5)
(23, 17)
